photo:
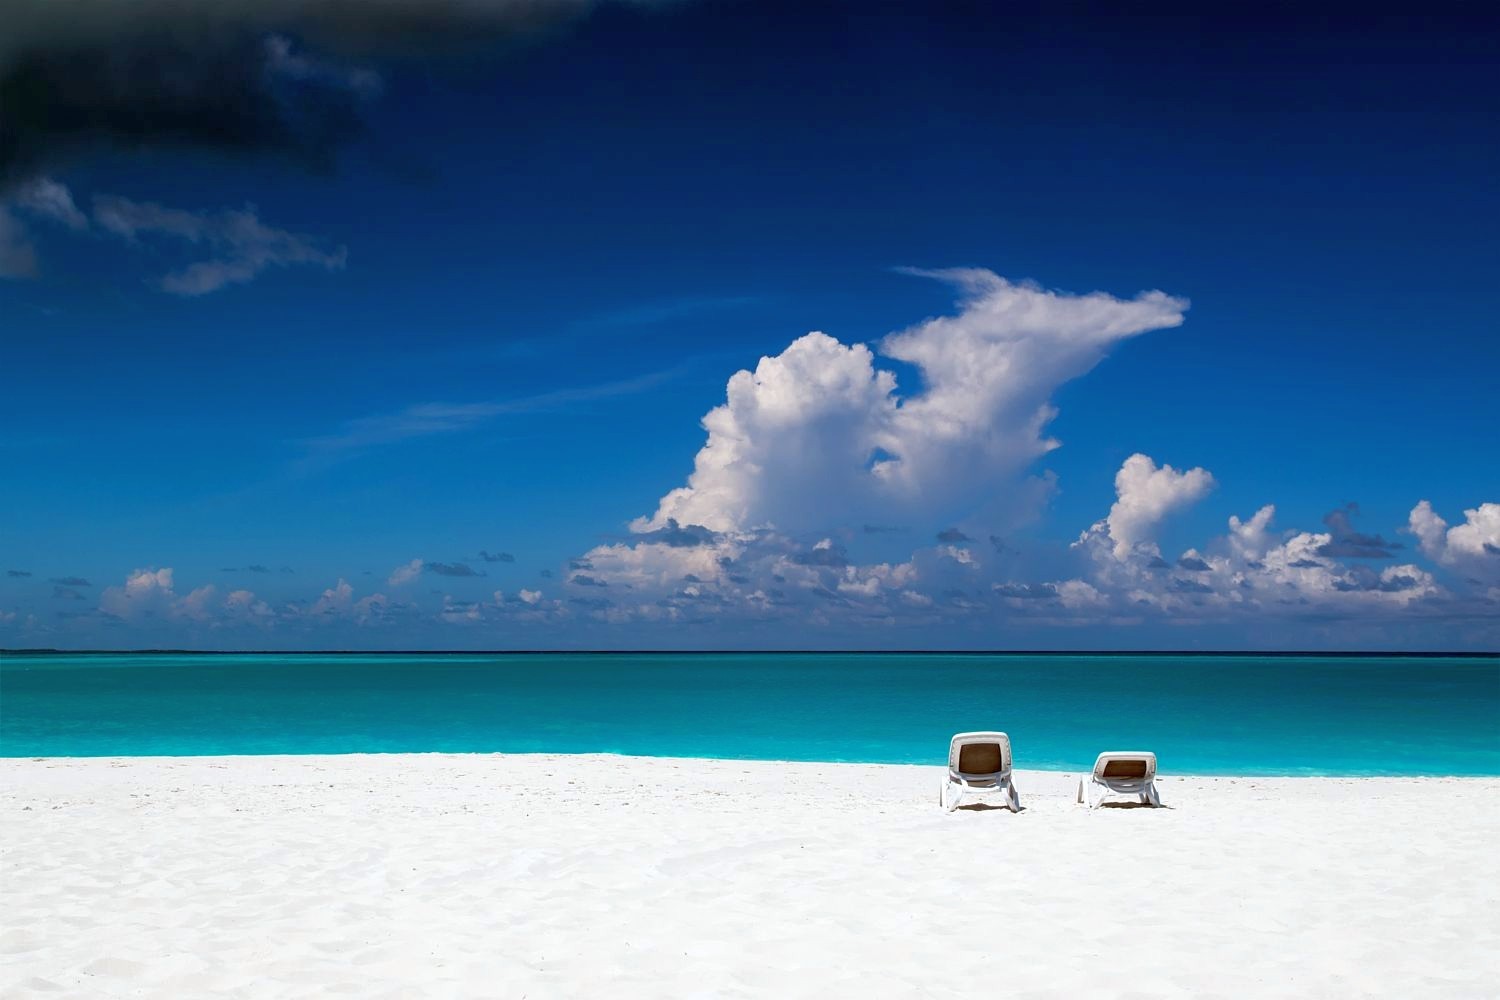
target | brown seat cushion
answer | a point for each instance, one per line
(979, 758)
(1125, 769)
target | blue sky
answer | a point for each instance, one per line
(437, 299)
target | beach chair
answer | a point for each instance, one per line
(978, 762)
(1125, 772)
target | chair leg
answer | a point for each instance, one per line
(1015, 798)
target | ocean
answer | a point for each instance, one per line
(1251, 715)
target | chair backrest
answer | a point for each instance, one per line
(1126, 765)
(979, 753)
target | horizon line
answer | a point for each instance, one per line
(47, 650)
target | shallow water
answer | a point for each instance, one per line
(1201, 714)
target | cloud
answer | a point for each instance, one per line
(824, 553)
(451, 569)
(952, 535)
(1346, 543)
(1145, 495)
(221, 75)
(336, 600)
(67, 593)
(1026, 591)
(490, 557)
(145, 592)
(405, 573)
(70, 581)
(17, 572)
(1472, 547)
(50, 200)
(426, 419)
(244, 605)
(819, 431)
(240, 245)
(678, 536)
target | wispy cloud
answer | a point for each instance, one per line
(241, 245)
(427, 419)
(237, 244)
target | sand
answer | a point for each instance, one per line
(551, 876)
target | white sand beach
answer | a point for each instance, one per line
(553, 876)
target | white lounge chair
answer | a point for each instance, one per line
(978, 762)
(1125, 772)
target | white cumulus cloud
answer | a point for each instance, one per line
(1145, 494)
(819, 433)
(1473, 546)
(405, 573)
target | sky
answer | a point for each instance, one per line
(479, 324)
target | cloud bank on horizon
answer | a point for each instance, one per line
(819, 443)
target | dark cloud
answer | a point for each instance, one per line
(70, 581)
(1026, 591)
(831, 555)
(1348, 543)
(677, 536)
(1184, 586)
(1305, 564)
(1192, 563)
(451, 569)
(286, 569)
(1363, 579)
(256, 568)
(66, 594)
(998, 544)
(218, 74)
(952, 536)
(584, 580)
(491, 557)
(884, 529)
(1157, 562)
(18, 572)
(576, 564)
(592, 603)
(692, 578)
(546, 574)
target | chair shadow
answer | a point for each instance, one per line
(984, 807)
(1130, 805)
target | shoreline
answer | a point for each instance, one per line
(476, 875)
(937, 764)
(1375, 653)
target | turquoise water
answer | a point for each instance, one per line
(1201, 714)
